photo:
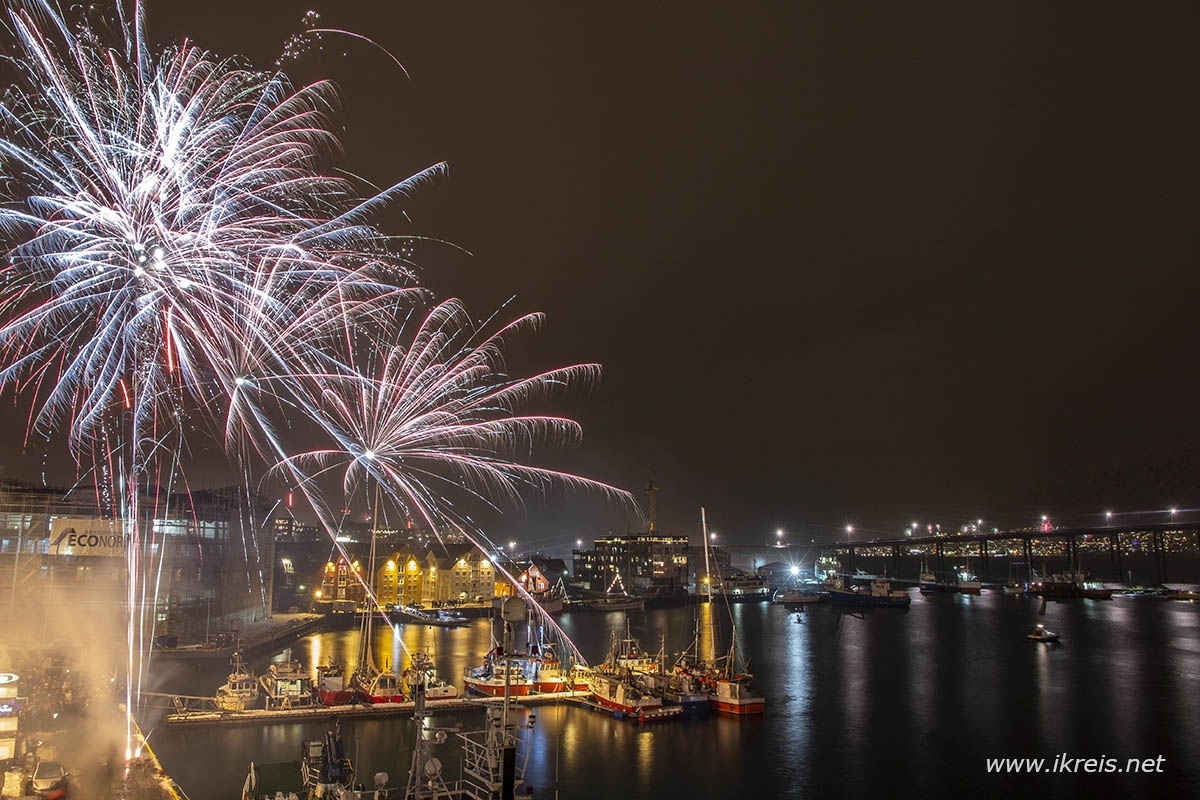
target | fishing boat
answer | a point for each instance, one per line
(496, 672)
(619, 692)
(729, 678)
(927, 582)
(880, 595)
(323, 771)
(240, 690)
(420, 671)
(287, 685)
(967, 582)
(1040, 634)
(733, 693)
(549, 674)
(332, 687)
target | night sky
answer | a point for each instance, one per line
(842, 263)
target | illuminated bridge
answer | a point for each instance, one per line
(1115, 540)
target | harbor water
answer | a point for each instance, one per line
(881, 702)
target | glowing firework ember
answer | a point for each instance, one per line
(177, 249)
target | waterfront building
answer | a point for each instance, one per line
(459, 573)
(648, 563)
(62, 559)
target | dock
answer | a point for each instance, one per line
(652, 715)
(192, 714)
(276, 631)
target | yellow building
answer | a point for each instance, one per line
(464, 575)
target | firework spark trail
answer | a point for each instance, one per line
(159, 209)
(176, 249)
(434, 426)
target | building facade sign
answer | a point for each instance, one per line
(83, 536)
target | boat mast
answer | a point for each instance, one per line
(367, 662)
(712, 627)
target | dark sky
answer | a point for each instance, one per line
(842, 263)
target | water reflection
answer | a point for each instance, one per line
(903, 700)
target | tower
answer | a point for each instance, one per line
(651, 490)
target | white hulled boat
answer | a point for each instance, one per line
(240, 690)
(287, 685)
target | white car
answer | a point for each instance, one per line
(48, 776)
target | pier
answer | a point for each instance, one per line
(201, 710)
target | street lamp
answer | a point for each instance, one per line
(1108, 517)
(849, 530)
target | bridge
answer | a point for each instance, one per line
(1150, 534)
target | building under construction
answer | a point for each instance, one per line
(203, 562)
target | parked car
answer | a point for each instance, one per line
(48, 776)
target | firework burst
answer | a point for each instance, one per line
(177, 247)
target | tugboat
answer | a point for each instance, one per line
(1040, 634)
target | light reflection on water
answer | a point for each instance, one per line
(900, 702)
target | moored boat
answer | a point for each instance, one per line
(609, 603)
(287, 685)
(420, 672)
(332, 687)
(792, 598)
(734, 695)
(240, 690)
(968, 582)
(742, 587)
(373, 685)
(619, 693)
(496, 671)
(927, 582)
(880, 595)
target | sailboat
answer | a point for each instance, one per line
(615, 599)
(372, 685)
(732, 691)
